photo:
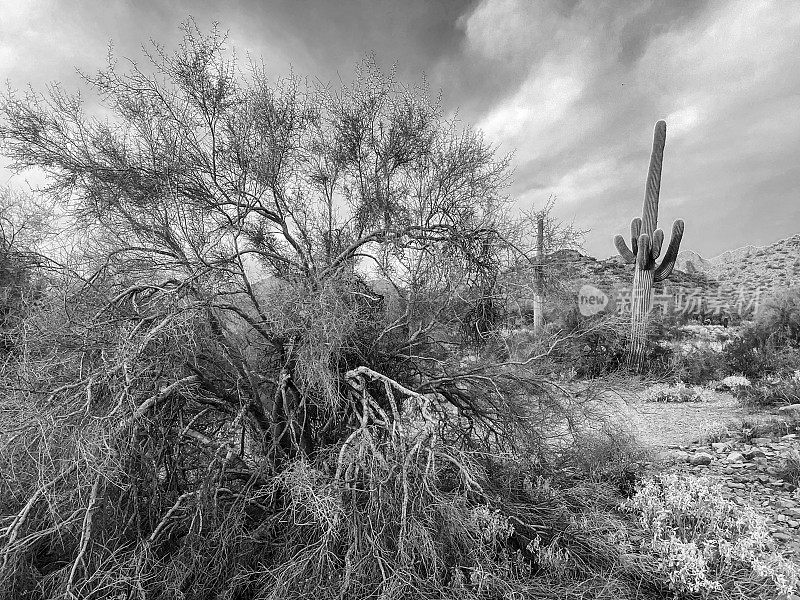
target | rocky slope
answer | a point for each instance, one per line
(769, 267)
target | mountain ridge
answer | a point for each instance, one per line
(771, 266)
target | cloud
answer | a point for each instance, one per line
(588, 181)
(500, 30)
(682, 121)
(530, 121)
(573, 87)
(598, 76)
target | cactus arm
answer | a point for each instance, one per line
(643, 256)
(664, 270)
(658, 241)
(636, 229)
(628, 256)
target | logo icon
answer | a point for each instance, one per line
(591, 300)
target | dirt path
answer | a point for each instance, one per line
(661, 425)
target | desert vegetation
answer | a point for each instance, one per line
(257, 342)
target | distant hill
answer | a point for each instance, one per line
(578, 269)
(737, 280)
(768, 267)
(567, 271)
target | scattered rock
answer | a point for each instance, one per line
(676, 456)
(754, 453)
(700, 458)
(750, 478)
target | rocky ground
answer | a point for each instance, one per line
(753, 471)
(728, 444)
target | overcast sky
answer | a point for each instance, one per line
(572, 88)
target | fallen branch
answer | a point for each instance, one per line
(155, 400)
(86, 534)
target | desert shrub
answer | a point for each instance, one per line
(753, 354)
(697, 366)
(599, 345)
(667, 327)
(679, 392)
(393, 510)
(599, 350)
(789, 468)
(757, 425)
(212, 403)
(769, 345)
(768, 393)
(733, 383)
(779, 317)
(707, 546)
(610, 454)
(657, 358)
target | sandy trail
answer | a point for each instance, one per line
(664, 424)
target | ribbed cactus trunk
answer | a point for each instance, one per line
(641, 303)
(646, 242)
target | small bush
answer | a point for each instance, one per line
(770, 345)
(766, 425)
(789, 469)
(599, 353)
(697, 366)
(734, 383)
(677, 393)
(769, 393)
(602, 347)
(612, 455)
(780, 317)
(705, 545)
(753, 354)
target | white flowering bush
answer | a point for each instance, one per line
(705, 545)
(677, 393)
(735, 382)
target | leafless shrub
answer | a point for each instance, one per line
(211, 400)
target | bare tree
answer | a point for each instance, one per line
(215, 340)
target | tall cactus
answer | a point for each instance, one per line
(646, 242)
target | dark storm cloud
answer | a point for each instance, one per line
(573, 87)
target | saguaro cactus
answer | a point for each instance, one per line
(646, 242)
